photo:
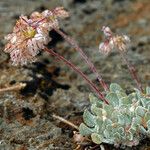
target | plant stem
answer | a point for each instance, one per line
(132, 71)
(68, 63)
(84, 56)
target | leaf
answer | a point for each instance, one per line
(145, 101)
(148, 90)
(132, 96)
(124, 101)
(108, 109)
(121, 119)
(109, 127)
(88, 118)
(149, 108)
(121, 130)
(129, 136)
(96, 111)
(84, 130)
(97, 138)
(100, 123)
(142, 130)
(113, 99)
(140, 111)
(114, 87)
(128, 119)
(117, 136)
(147, 116)
(106, 134)
(95, 100)
(136, 122)
(121, 95)
(148, 125)
(108, 122)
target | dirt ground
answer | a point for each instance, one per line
(26, 121)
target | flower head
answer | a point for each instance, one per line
(25, 42)
(32, 34)
(119, 42)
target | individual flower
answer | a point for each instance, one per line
(48, 19)
(25, 41)
(106, 47)
(121, 42)
(107, 32)
(60, 12)
(112, 41)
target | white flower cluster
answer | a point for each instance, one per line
(119, 42)
(31, 35)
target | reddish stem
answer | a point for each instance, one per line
(84, 56)
(132, 71)
(68, 63)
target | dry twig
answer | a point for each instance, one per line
(13, 88)
(66, 121)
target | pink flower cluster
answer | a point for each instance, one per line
(119, 42)
(32, 34)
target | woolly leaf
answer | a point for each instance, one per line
(132, 96)
(127, 119)
(84, 130)
(96, 111)
(121, 95)
(114, 87)
(147, 116)
(96, 138)
(140, 111)
(107, 122)
(95, 100)
(135, 122)
(121, 130)
(108, 109)
(121, 119)
(142, 130)
(149, 108)
(124, 101)
(145, 101)
(109, 127)
(106, 134)
(117, 136)
(148, 90)
(129, 136)
(113, 99)
(99, 122)
(88, 118)
(148, 125)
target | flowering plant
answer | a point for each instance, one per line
(30, 35)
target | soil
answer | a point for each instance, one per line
(26, 121)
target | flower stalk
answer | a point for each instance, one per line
(120, 42)
(71, 65)
(132, 71)
(84, 56)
